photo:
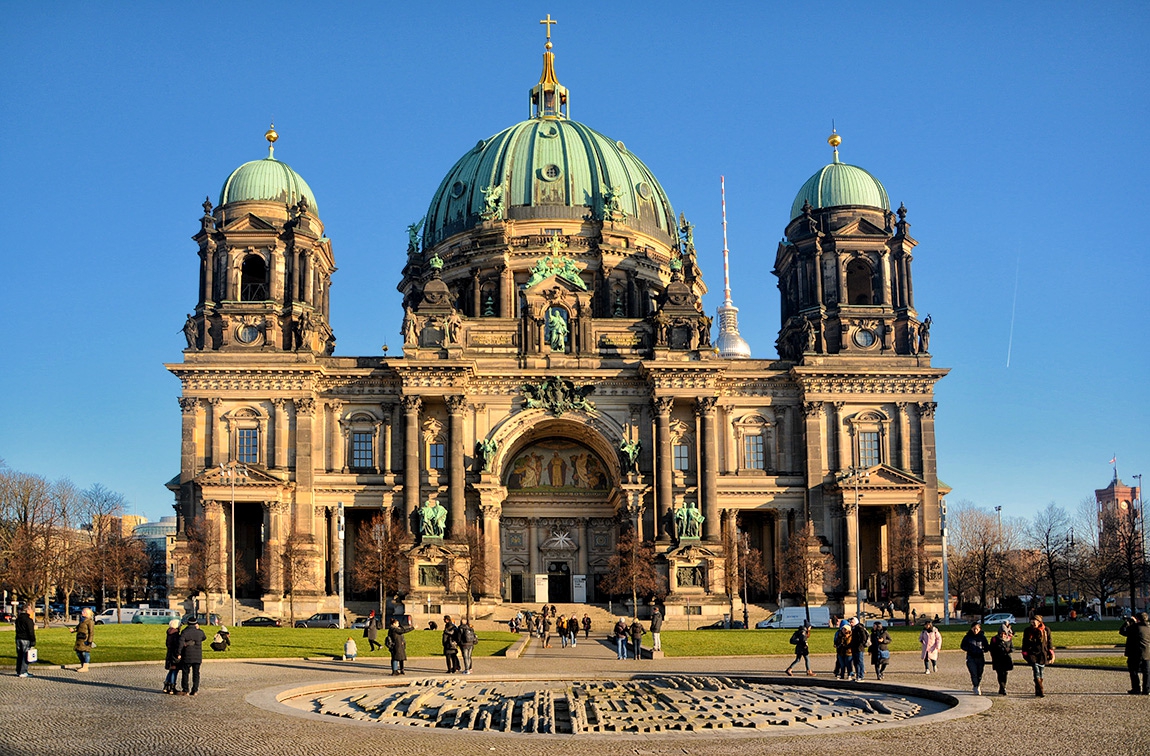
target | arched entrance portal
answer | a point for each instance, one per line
(558, 524)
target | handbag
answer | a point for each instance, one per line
(884, 654)
(33, 655)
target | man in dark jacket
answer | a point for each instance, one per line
(637, 638)
(191, 655)
(25, 639)
(397, 645)
(656, 630)
(859, 643)
(975, 644)
(450, 644)
(1136, 630)
(620, 633)
(371, 632)
(467, 641)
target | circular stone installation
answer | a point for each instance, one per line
(647, 704)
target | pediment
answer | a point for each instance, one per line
(431, 552)
(552, 282)
(691, 552)
(249, 222)
(882, 477)
(255, 477)
(860, 227)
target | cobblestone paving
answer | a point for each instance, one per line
(118, 709)
(674, 703)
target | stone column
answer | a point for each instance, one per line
(491, 496)
(812, 419)
(584, 547)
(842, 438)
(909, 282)
(208, 265)
(411, 407)
(506, 292)
(189, 414)
(532, 550)
(709, 480)
(388, 435)
(931, 523)
(456, 512)
(663, 491)
(304, 464)
(850, 513)
(279, 434)
(218, 437)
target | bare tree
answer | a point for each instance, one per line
(906, 556)
(806, 564)
(1121, 540)
(1049, 537)
(1097, 569)
(101, 510)
(379, 562)
(125, 562)
(295, 566)
(469, 571)
(206, 566)
(976, 546)
(632, 570)
(749, 573)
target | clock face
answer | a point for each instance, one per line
(248, 333)
(1123, 505)
(865, 338)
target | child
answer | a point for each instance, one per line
(349, 650)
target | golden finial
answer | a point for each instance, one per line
(271, 136)
(547, 22)
(834, 140)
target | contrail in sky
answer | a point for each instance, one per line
(1013, 306)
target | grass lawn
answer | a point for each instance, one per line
(117, 643)
(1115, 661)
(777, 642)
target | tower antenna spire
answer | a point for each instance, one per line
(726, 264)
(731, 344)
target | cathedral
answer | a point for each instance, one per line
(560, 385)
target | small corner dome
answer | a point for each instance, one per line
(267, 180)
(839, 184)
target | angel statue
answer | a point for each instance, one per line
(413, 236)
(485, 450)
(630, 450)
(492, 202)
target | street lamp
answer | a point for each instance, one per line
(1142, 519)
(857, 475)
(230, 471)
(998, 566)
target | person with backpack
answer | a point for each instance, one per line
(842, 642)
(397, 646)
(879, 649)
(800, 639)
(222, 640)
(931, 641)
(450, 641)
(467, 641)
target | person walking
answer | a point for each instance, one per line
(879, 649)
(573, 629)
(975, 644)
(545, 629)
(191, 649)
(1136, 630)
(561, 629)
(842, 643)
(637, 631)
(450, 641)
(1001, 655)
(397, 646)
(467, 641)
(586, 625)
(1038, 651)
(371, 632)
(25, 639)
(931, 640)
(85, 632)
(172, 656)
(620, 633)
(656, 630)
(800, 639)
(860, 641)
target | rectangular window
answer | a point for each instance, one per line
(248, 446)
(868, 449)
(682, 457)
(436, 458)
(361, 450)
(754, 447)
(552, 232)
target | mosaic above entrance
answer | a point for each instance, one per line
(557, 465)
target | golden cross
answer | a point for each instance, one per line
(548, 21)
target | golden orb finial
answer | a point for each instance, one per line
(834, 140)
(271, 136)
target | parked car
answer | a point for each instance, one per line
(722, 625)
(154, 616)
(320, 619)
(791, 617)
(996, 619)
(261, 622)
(112, 616)
(208, 619)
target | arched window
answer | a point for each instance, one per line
(870, 431)
(253, 279)
(860, 290)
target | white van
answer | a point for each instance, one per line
(795, 616)
(113, 616)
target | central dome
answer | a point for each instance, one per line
(550, 168)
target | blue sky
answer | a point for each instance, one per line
(1012, 132)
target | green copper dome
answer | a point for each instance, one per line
(267, 180)
(552, 168)
(839, 184)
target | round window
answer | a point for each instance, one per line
(550, 172)
(549, 130)
(457, 189)
(644, 190)
(247, 333)
(865, 338)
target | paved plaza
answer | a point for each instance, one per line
(118, 709)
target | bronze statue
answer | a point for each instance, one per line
(191, 331)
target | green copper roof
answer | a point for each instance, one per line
(839, 184)
(551, 168)
(268, 180)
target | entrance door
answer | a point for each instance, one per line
(516, 588)
(559, 582)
